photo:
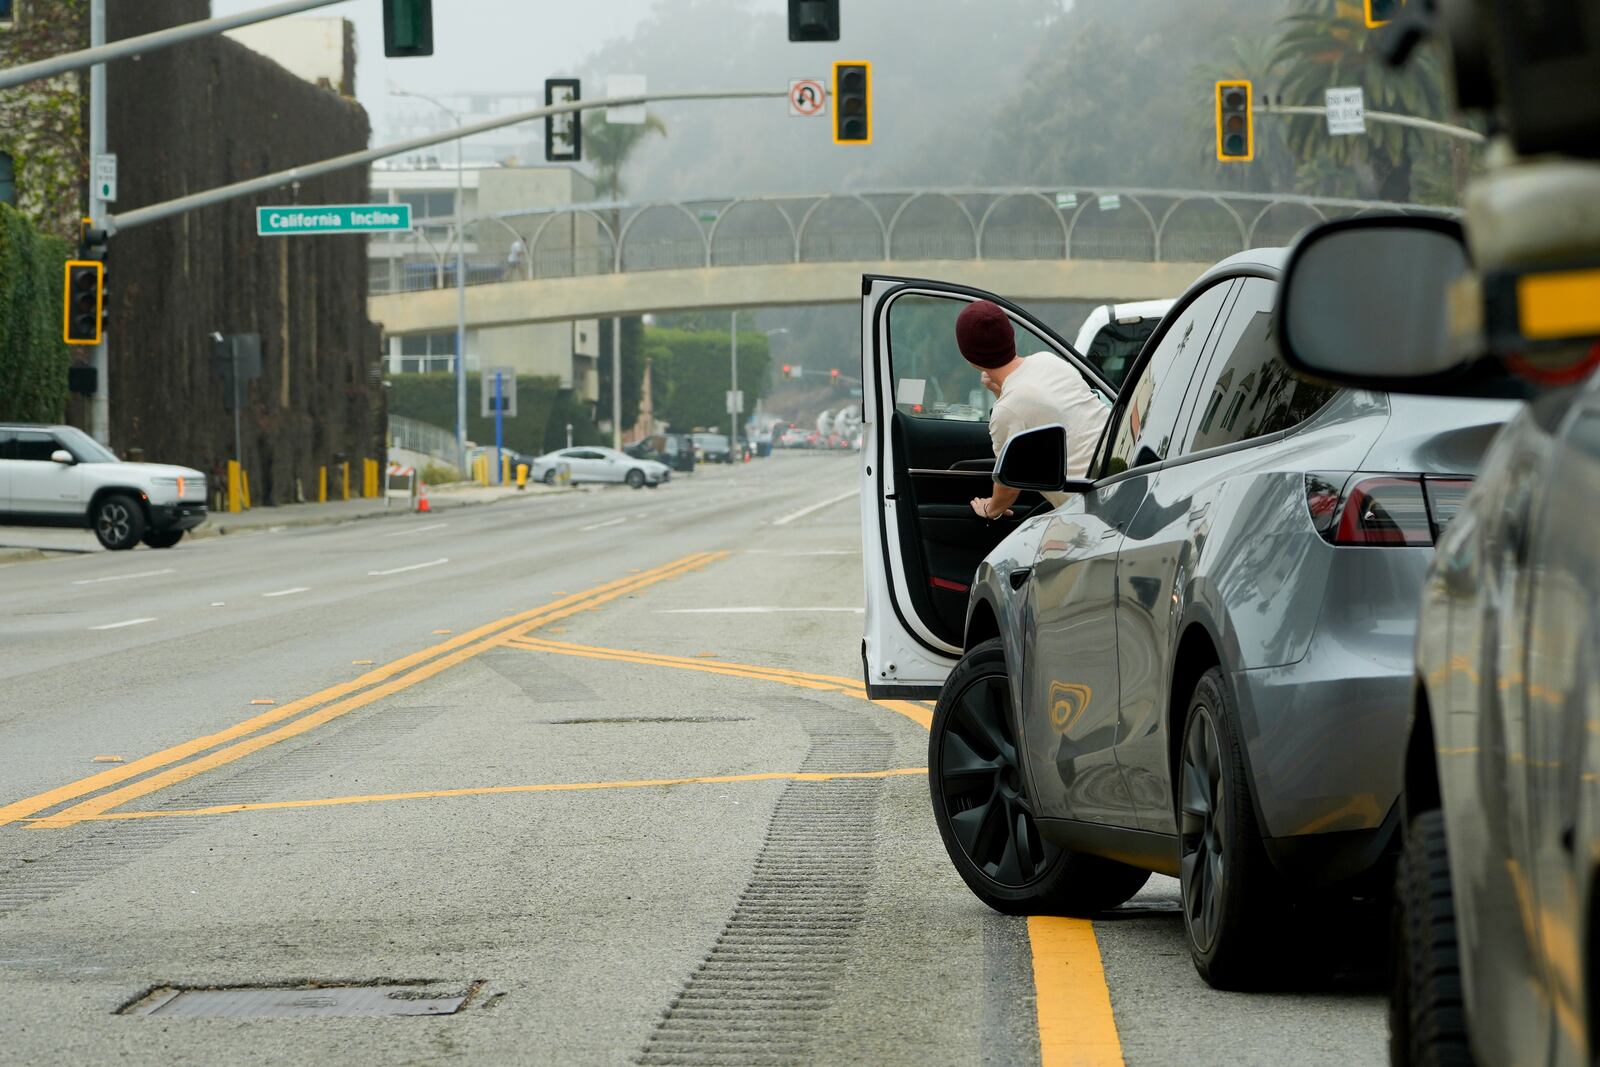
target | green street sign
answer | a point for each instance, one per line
(289, 220)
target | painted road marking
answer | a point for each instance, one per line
(748, 611)
(603, 525)
(412, 567)
(120, 625)
(1076, 1024)
(289, 592)
(124, 577)
(803, 512)
(490, 635)
(506, 790)
(418, 529)
(800, 553)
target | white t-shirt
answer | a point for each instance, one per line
(1047, 389)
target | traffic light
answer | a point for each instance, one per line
(83, 300)
(813, 20)
(1381, 11)
(852, 103)
(788, 371)
(563, 134)
(1235, 124)
(834, 374)
(407, 28)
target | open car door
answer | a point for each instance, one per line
(925, 454)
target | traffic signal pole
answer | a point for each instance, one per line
(100, 402)
(1412, 121)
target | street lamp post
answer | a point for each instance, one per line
(461, 280)
(733, 394)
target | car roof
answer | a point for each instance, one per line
(1268, 261)
(1145, 309)
(34, 426)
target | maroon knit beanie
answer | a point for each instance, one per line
(985, 336)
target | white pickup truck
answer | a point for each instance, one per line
(60, 476)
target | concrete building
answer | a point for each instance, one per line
(320, 50)
(425, 258)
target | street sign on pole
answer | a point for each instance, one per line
(626, 85)
(563, 134)
(808, 98)
(290, 220)
(507, 401)
(1346, 111)
(105, 176)
(735, 401)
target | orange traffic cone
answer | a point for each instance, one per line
(422, 497)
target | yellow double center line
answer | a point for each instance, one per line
(179, 763)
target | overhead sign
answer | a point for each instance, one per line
(563, 134)
(105, 176)
(808, 98)
(299, 219)
(626, 85)
(1346, 111)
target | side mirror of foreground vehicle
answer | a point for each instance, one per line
(61, 455)
(1384, 302)
(1037, 460)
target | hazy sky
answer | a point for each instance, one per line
(478, 44)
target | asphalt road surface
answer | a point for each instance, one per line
(594, 780)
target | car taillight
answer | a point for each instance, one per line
(1406, 510)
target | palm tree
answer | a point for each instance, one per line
(1327, 44)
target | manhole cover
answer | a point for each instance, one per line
(241, 1002)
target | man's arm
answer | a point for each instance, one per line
(998, 504)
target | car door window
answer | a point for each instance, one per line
(931, 379)
(33, 445)
(1247, 390)
(1147, 419)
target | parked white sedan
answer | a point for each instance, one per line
(589, 463)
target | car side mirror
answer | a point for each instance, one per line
(61, 455)
(1382, 302)
(1037, 460)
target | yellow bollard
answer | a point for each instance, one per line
(505, 469)
(244, 481)
(369, 478)
(322, 485)
(345, 466)
(522, 476)
(235, 501)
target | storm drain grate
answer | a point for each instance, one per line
(305, 1001)
(762, 993)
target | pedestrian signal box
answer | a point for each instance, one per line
(813, 20)
(1381, 11)
(84, 301)
(1235, 124)
(852, 103)
(407, 28)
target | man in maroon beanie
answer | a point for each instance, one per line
(1030, 392)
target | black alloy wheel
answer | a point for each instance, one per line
(1231, 896)
(118, 522)
(550, 476)
(984, 814)
(636, 479)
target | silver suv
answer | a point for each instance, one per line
(60, 476)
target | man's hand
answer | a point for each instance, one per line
(990, 384)
(987, 509)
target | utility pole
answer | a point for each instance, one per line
(733, 393)
(100, 403)
(616, 384)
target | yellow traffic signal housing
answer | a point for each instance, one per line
(852, 103)
(1236, 137)
(1381, 11)
(83, 301)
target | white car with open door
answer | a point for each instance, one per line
(926, 453)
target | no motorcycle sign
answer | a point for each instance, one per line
(808, 98)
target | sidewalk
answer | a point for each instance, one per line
(47, 543)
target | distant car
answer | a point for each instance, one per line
(60, 476)
(676, 450)
(591, 463)
(1112, 335)
(713, 447)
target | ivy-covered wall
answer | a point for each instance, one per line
(42, 125)
(33, 359)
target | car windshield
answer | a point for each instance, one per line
(84, 448)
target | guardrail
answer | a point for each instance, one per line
(1150, 225)
(414, 435)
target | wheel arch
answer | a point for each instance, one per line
(1196, 652)
(983, 622)
(1420, 773)
(139, 496)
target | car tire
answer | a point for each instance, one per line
(118, 521)
(635, 479)
(976, 782)
(549, 477)
(1228, 889)
(162, 538)
(1427, 1013)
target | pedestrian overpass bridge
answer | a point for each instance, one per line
(600, 260)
